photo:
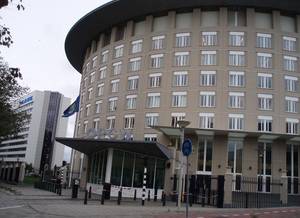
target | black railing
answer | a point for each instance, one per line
(49, 186)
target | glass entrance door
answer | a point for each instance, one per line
(264, 175)
(292, 169)
(235, 154)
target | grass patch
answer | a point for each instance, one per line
(30, 180)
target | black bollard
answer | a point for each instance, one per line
(102, 197)
(90, 192)
(59, 189)
(148, 195)
(85, 197)
(134, 197)
(155, 194)
(119, 196)
(163, 199)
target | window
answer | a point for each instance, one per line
(129, 121)
(117, 68)
(291, 104)
(103, 72)
(100, 90)
(264, 60)
(292, 168)
(208, 57)
(85, 82)
(264, 81)
(158, 42)
(236, 38)
(139, 28)
(208, 78)
(237, 18)
(235, 161)
(206, 120)
(110, 122)
(292, 126)
(264, 164)
(153, 100)
(236, 121)
(263, 20)
(92, 77)
(96, 124)
(114, 85)
(209, 38)
(290, 63)
(209, 18)
(236, 100)
(288, 23)
(154, 80)
(94, 62)
(205, 152)
(104, 57)
(179, 99)
(133, 82)
(289, 43)
(120, 31)
(265, 101)
(131, 102)
(112, 104)
(135, 64)
(157, 60)
(87, 110)
(264, 123)
(207, 99)
(98, 107)
(291, 83)
(236, 79)
(175, 117)
(180, 78)
(151, 119)
(183, 20)
(119, 50)
(182, 59)
(90, 93)
(263, 40)
(237, 58)
(183, 40)
(136, 46)
(85, 126)
(150, 137)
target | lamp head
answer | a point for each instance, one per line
(183, 123)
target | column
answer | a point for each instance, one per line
(22, 172)
(284, 189)
(109, 165)
(228, 188)
(14, 166)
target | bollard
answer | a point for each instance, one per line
(90, 192)
(191, 199)
(148, 195)
(155, 194)
(163, 198)
(85, 197)
(119, 196)
(59, 189)
(134, 197)
(102, 196)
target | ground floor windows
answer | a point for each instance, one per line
(292, 168)
(264, 166)
(98, 167)
(205, 156)
(235, 161)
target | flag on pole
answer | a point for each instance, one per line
(72, 109)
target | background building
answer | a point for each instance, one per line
(230, 68)
(35, 144)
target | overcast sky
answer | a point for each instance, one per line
(39, 34)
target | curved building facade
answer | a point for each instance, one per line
(231, 69)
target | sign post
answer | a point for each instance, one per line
(187, 150)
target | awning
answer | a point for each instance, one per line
(90, 146)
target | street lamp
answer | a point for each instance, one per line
(182, 124)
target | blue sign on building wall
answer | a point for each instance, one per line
(26, 101)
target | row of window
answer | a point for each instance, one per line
(206, 121)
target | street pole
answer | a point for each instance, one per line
(187, 187)
(180, 172)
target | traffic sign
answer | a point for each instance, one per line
(187, 147)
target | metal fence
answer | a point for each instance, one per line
(49, 186)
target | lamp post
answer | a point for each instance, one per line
(182, 124)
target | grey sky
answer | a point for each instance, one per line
(38, 50)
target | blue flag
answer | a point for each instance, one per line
(72, 109)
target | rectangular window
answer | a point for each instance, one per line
(236, 79)
(154, 80)
(236, 122)
(119, 50)
(180, 78)
(114, 84)
(96, 124)
(100, 89)
(85, 126)
(264, 164)
(264, 81)
(235, 161)
(265, 101)
(153, 100)
(183, 40)
(208, 57)
(289, 43)
(94, 62)
(98, 107)
(291, 83)
(209, 38)
(129, 121)
(205, 156)
(117, 68)
(206, 120)
(133, 82)
(157, 60)
(112, 104)
(158, 42)
(103, 72)
(291, 104)
(135, 64)
(236, 38)
(104, 57)
(236, 100)
(87, 110)
(110, 122)
(151, 119)
(92, 77)
(207, 99)
(208, 78)
(150, 137)
(237, 58)
(179, 99)
(264, 123)
(131, 102)
(263, 40)
(264, 60)
(89, 94)
(175, 117)
(136, 46)
(292, 126)
(290, 63)
(182, 59)
(209, 18)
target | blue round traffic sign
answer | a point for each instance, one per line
(187, 147)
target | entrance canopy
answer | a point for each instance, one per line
(90, 146)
